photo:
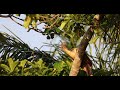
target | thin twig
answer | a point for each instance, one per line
(15, 21)
(13, 33)
(52, 23)
(18, 18)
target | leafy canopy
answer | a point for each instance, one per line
(103, 49)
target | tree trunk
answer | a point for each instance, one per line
(82, 47)
(80, 52)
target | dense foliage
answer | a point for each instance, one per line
(103, 49)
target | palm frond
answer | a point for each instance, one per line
(18, 50)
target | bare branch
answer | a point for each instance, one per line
(18, 18)
(15, 21)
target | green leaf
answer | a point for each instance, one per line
(33, 65)
(22, 63)
(30, 63)
(34, 24)
(40, 62)
(47, 31)
(45, 71)
(26, 74)
(37, 16)
(16, 70)
(68, 63)
(2, 38)
(57, 30)
(5, 67)
(93, 40)
(68, 15)
(63, 24)
(98, 31)
(70, 24)
(12, 64)
(27, 22)
(27, 69)
(59, 65)
(71, 36)
(17, 14)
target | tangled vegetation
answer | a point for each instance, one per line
(18, 59)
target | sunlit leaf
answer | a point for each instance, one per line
(40, 62)
(57, 30)
(17, 14)
(34, 24)
(5, 67)
(27, 22)
(71, 36)
(37, 16)
(12, 64)
(45, 71)
(68, 63)
(59, 65)
(22, 63)
(93, 40)
(98, 31)
(63, 24)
